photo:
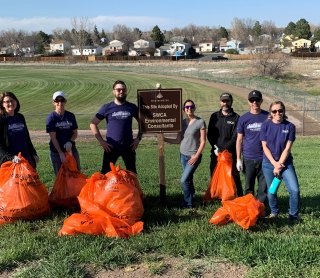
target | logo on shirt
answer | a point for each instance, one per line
(285, 131)
(120, 115)
(230, 122)
(254, 126)
(16, 127)
(64, 125)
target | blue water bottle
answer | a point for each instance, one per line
(275, 185)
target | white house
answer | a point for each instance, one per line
(317, 46)
(114, 47)
(59, 45)
(206, 46)
(140, 44)
(232, 44)
(179, 49)
(87, 50)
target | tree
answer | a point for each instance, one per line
(302, 30)
(80, 33)
(223, 33)
(137, 34)
(290, 29)
(96, 36)
(256, 30)
(241, 30)
(316, 34)
(270, 64)
(157, 36)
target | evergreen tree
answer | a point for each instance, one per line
(302, 30)
(157, 36)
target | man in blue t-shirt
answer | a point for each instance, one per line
(119, 138)
(249, 145)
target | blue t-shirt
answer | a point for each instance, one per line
(118, 122)
(277, 136)
(249, 125)
(17, 134)
(63, 126)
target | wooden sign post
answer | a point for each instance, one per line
(160, 111)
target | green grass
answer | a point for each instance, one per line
(33, 249)
(271, 249)
(88, 88)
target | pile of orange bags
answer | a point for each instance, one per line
(67, 185)
(242, 210)
(22, 195)
(222, 185)
(111, 205)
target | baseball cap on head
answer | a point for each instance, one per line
(255, 94)
(59, 94)
(226, 96)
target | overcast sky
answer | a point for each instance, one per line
(36, 15)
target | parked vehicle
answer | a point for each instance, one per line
(219, 58)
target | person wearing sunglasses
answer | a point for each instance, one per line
(222, 135)
(192, 141)
(119, 142)
(249, 146)
(277, 137)
(14, 134)
(63, 131)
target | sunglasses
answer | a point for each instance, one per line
(120, 89)
(280, 111)
(189, 107)
(59, 100)
(252, 100)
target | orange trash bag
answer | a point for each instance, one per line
(112, 205)
(22, 194)
(222, 185)
(244, 211)
(67, 185)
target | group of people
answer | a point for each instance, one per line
(260, 141)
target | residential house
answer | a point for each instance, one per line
(301, 43)
(87, 50)
(60, 46)
(113, 47)
(162, 50)
(179, 49)
(143, 44)
(6, 51)
(232, 44)
(317, 46)
(206, 46)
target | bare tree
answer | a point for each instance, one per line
(241, 29)
(271, 64)
(81, 30)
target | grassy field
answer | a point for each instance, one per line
(33, 249)
(271, 249)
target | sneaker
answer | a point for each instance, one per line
(293, 219)
(272, 216)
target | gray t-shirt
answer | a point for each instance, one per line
(191, 136)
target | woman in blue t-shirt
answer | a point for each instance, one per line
(277, 137)
(14, 134)
(63, 130)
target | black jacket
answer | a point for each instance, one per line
(5, 155)
(222, 131)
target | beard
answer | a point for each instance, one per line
(122, 98)
(226, 108)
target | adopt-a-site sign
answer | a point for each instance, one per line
(160, 110)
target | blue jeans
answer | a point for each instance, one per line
(187, 179)
(56, 161)
(291, 181)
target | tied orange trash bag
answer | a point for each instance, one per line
(244, 211)
(111, 204)
(222, 185)
(22, 195)
(67, 185)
